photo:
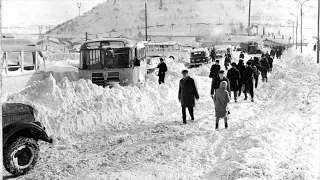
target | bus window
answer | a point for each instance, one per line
(29, 60)
(13, 61)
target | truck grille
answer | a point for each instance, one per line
(98, 79)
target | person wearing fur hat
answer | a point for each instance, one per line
(234, 76)
(221, 100)
(216, 83)
(249, 75)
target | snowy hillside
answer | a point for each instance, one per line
(133, 133)
(182, 17)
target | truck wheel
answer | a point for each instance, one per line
(21, 156)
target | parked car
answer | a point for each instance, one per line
(21, 133)
(199, 56)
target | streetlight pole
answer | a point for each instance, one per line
(301, 4)
(296, 30)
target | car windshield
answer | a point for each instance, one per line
(198, 54)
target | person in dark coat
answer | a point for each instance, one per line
(241, 68)
(221, 100)
(214, 71)
(216, 83)
(213, 54)
(241, 55)
(187, 94)
(264, 69)
(249, 76)
(270, 61)
(272, 53)
(227, 61)
(162, 70)
(234, 76)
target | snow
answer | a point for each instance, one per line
(134, 132)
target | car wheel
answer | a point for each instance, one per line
(21, 156)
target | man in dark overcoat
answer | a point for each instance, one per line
(187, 94)
(234, 76)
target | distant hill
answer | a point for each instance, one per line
(183, 17)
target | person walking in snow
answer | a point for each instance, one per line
(272, 53)
(187, 94)
(270, 61)
(234, 76)
(162, 70)
(256, 65)
(249, 75)
(227, 61)
(213, 55)
(214, 71)
(241, 56)
(264, 68)
(216, 83)
(221, 100)
(241, 68)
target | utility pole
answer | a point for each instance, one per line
(79, 6)
(296, 30)
(1, 59)
(86, 36)
(292, 31)
(146, 20)
(301, 4)
(249, 17)
(317, 49)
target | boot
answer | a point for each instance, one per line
(217, 126)
(226, 125)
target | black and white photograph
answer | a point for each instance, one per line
(160, 89)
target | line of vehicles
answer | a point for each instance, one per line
(105, 62)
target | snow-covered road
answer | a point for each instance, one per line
(135, 133)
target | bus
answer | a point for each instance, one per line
(22, 64)
(165, 49)
(111, 61)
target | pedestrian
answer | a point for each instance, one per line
(241, 56)
(272, 53)
(270, 61)
(315, 47)
(241, 69)
(264, 69)
(214, 71)
(256, 67)
(216, 83)
(227, 61)
(249, 75)
(162, 70)
(187, 94)
(221, 100)
(234, 76)
(213, 55)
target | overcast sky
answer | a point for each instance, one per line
(42, 12)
